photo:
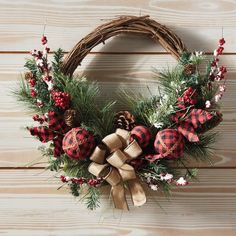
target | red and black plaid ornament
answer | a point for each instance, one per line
(78, 143)
(142, 135)
(169, 143)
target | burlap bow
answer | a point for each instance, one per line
(110, 161)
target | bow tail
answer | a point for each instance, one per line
(119, 197)
(137, 193)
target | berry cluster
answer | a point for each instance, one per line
(40, 119)
(61, 99)
(217, 73)
(80, 181)
(188, 98)
(42, 62)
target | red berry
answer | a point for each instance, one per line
(47, 49)
(47, 78)
(44, 40)
(35, 117)
(39, 55)
(32, 82)
(63, 179)
(93, 182)
(33, 93)
(220, 50)
(222, 41)
(223, 69)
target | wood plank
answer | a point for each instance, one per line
(116, 230)
(198, 23)
(30, 201)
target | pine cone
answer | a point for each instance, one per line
(71, 118)
(28, 75)
(124, 120)
(189, 69)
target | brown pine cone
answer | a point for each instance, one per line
(124, 120)
(189, 69)
(28, 75)
(71, 118)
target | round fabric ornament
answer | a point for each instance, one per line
(169, 143)
(78, 143)
(142, 135)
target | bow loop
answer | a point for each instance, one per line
(99, 154)
(133, 150)
(113, 142)
(117, 158)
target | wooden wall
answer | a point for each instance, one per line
(29, 200)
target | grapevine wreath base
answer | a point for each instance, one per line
(91, 144)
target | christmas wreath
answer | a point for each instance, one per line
(91, 144)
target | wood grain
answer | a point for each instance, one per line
(199, 23)
(30, 201)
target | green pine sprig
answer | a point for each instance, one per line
(92, 198)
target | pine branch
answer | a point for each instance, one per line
(76, 168)
(170, 80)
(83, 95)
(30, 64)
(75, 189)
(141, 107)
(92, 199)
(57, 61)
(22, 94)
(102, 122)
(202, 150)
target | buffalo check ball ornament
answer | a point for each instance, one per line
(90, 144)
(78, 143)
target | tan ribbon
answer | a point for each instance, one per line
(110, 161)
